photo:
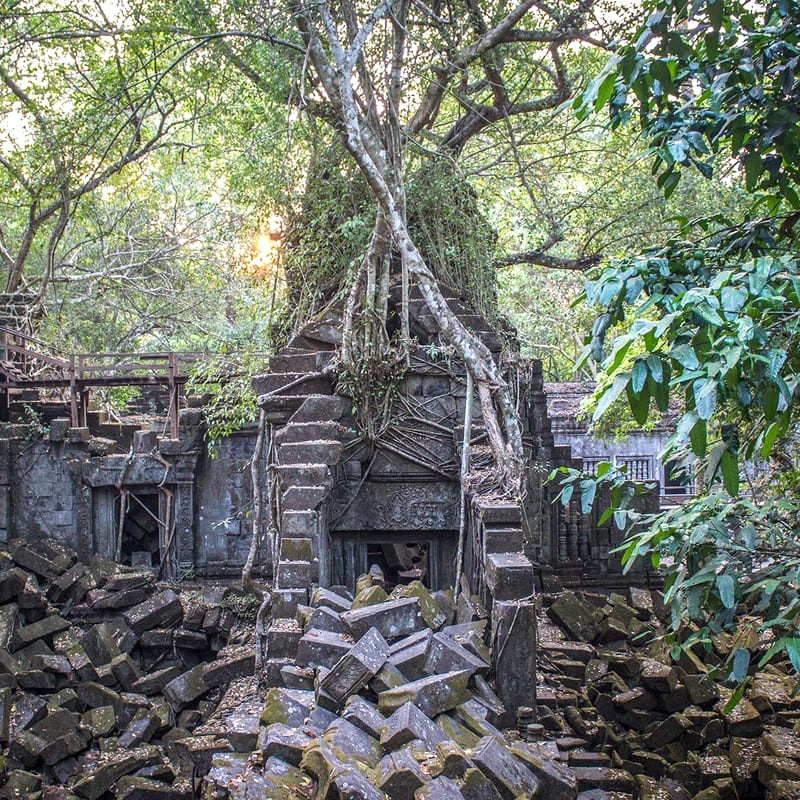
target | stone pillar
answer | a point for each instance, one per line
(83, 519)
(183, 547)
(514, 655)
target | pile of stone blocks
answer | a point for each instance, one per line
(383, 696)
(105, 676)
(628, 718)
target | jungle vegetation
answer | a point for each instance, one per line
(189, 175)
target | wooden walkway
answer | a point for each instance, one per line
(28, 363)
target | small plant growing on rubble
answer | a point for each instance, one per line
(34, 422)
(243, 606)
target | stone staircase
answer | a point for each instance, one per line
(423, 325)
(98, 423)
(298, 398)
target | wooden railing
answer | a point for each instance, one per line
(29, 363)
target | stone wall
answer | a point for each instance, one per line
(59, 482)
(44, 495)
(223, 505)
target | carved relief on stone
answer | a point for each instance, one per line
(380, 506)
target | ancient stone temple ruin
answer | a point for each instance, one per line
(135, 666)
(151, 498)
(343, 505)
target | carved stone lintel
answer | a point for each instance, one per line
(409, 506)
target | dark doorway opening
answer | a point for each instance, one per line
(403, 556)
(141, 528)
(400, 562)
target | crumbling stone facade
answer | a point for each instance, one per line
(343, 505)
(188, 509)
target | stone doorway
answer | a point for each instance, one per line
(143, 515)
(403, 556)
(140, 528)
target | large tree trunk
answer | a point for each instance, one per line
(377, 152)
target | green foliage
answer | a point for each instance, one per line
(538, 304)
(712, 80)
(243, 606)
(586, 488)
(617, 421)
(714, 316)
(329, 231)
(736, 567)
(453, 234)
(372, 382)
(727, 337)
(119, 397)
(586, 190)
(224, 383)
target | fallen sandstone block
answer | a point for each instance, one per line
(576, 616)
(556, 781)
(242, 726)
(113, 765)
(354, 745)
(154, 682)
(231, 663)
(476, 786)
(335, 777)
(392, 619)
(286, 706)
(356, 667)
(364, 715)
(159, 611)
(322, 648)
(509, 776)
(399, 775)
(140, 729)
(333, 600)
(186, 688)
(43, 629)
(133, 787)
(285, 742)
(445, 654)
(432, 614)
(440, 788)
(407, 724)
(432, 695)
(453, 759)
(12, 581)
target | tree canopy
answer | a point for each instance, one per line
(170, 172)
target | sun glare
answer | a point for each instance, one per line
(267, 250)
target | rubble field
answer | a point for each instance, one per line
(107, 678)
(115, 686)
(389, 696)
(610, 694)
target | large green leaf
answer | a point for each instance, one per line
(638, 375)
(705, 397)
(729, 465)
(639, 403)
(698, 437)
(753, 167)
(793, 651)
(727, 590)
(611, 394)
